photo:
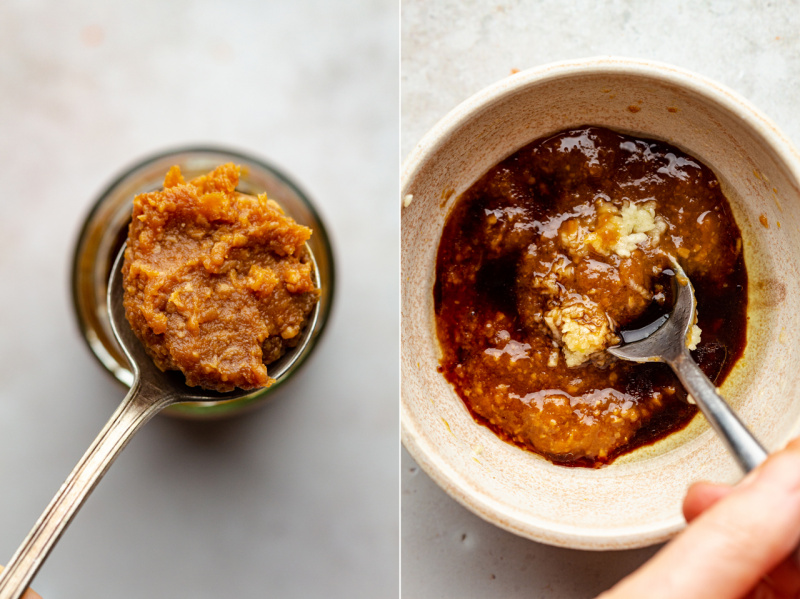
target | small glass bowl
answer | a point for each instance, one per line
(106, 228)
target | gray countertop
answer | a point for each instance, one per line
(451, 49)
(299, 498)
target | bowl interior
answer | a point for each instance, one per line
(636, 500)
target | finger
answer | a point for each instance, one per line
(702, 496)
(29, 594)
(732, 544)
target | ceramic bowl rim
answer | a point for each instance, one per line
(446, 476)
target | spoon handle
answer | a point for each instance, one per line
(739, 440)
(141, 404)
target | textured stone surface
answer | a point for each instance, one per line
(451, 50)
(299, 499)
(454, 48)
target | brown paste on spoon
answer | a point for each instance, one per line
(218, 284)
(548, 255)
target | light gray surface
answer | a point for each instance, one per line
(451, 49)
(299, 499)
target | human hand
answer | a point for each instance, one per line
(29, 594)
(740, 541)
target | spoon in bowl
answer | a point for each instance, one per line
(152, 391)
(666, 340)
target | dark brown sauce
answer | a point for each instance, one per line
(496, 351)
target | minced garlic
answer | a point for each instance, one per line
(581, 327)
(616, 230)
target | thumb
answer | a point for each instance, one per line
(732, 544)
(29, 594)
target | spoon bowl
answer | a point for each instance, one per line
(668, 335)
(171, 382)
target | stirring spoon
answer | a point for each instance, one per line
(151, 392)
(666, 341)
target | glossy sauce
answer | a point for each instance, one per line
(508, 258)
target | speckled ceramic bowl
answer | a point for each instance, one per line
(635, 501)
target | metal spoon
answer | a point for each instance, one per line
(151, 392)
(666, 341)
